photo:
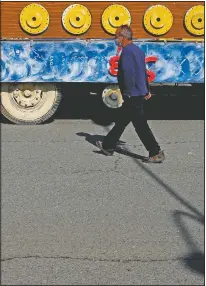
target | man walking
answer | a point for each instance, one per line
(134, 87)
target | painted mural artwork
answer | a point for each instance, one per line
(97, 61)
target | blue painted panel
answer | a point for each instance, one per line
(88, 61)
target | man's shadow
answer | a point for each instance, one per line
(194, 260)
(92, 139)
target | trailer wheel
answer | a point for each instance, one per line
(28, 103)
(112, 96)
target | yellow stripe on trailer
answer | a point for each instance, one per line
(181, 40)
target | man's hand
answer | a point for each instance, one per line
(148, 96)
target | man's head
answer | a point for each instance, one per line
(123, 36)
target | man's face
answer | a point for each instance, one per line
(118, 39)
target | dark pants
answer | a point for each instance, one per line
(132, 110)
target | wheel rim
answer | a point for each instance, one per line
(28, 101)
(112, 97)
(26, 98)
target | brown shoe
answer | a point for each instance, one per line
(159, 158)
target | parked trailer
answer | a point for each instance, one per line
(46, 43)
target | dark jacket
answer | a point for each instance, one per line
(132, 77)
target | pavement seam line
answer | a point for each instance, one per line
(95, 259)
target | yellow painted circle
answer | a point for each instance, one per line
(158, 20)
(195, 20)
(34, 19)
(115, 16)
(76, 19)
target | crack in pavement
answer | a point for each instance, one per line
(97, 259)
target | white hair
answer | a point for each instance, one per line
(126, 31)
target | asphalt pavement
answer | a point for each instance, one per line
(72, 216)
